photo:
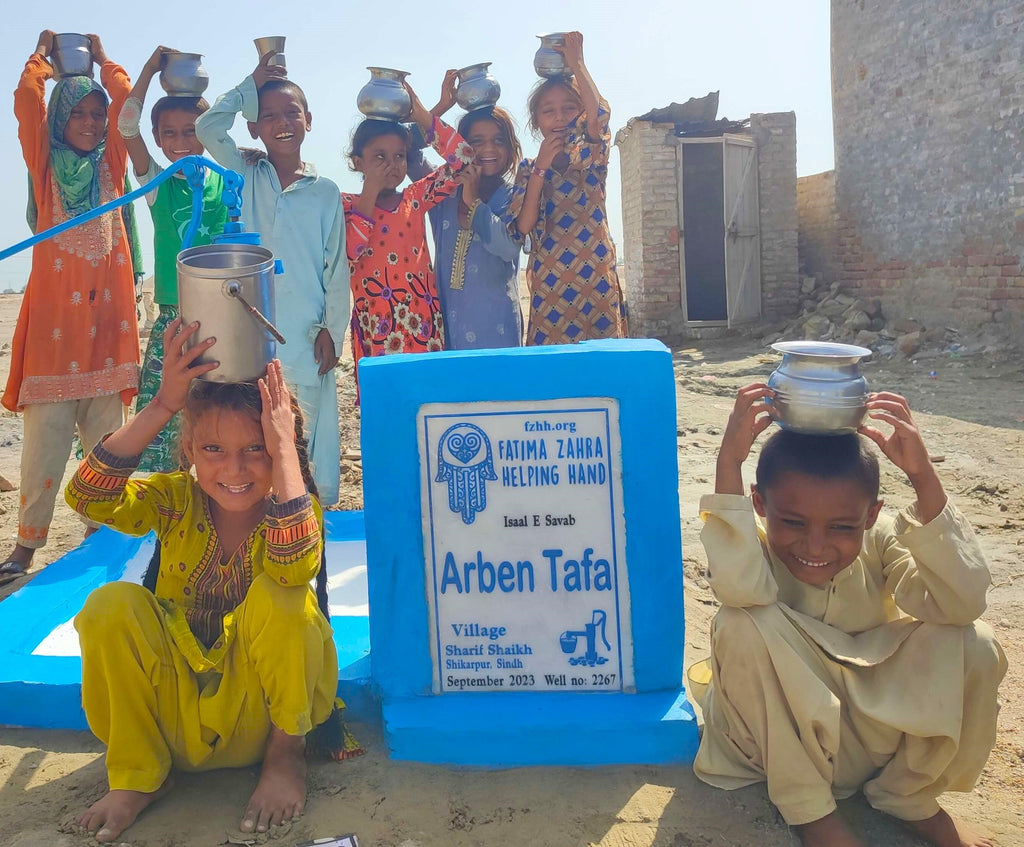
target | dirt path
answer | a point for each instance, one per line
(971, 414)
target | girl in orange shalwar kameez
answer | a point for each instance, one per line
(74, 360)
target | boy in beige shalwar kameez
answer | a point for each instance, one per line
(847, 653)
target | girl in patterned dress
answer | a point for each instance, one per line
(559, 203)
(223, 657)
(75, 353)
(395, 307)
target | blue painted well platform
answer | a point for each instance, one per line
(517, 730)
(548, 392)
(40, 668)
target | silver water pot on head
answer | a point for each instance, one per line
(384, 97)
(183, 74)
(547, 61)
(71, 55)
(819, 389)
(478, 89)
(229, 290)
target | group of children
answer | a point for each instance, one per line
(847, 654)
(349, 260)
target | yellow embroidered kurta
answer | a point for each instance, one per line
(882, 678)
(197, 675)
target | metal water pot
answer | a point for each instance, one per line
(274, 43)
(183, 74)
(384, 97)
(71, 55)
(818, 387)
(547, 61)
(229, 290)
(477, 88)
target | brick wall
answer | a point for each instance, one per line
(928, 109)
(775, 135)
(817, 244)
(650, 222)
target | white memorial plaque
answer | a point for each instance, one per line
(524, 542)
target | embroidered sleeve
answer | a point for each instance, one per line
(357, 229)
(30, 111)
(588, 142)
(295, 541)
(427, 192)
(101, 491)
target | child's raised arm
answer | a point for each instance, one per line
(933, 564)
(905, 448)
(178, 372)
(375, 174)
(118, 86)
(131, 115)
(452, 147)
(214, 125)
(749, 418)
(572, 51)
(447, 99)
(738, 569)
(526, 211)
(278, 422)
(417, 163)
(30, 104)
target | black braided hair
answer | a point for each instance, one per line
(244, 397)
(302, 448)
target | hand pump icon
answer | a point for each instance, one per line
(568, 641)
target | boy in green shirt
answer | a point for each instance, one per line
(170, 204)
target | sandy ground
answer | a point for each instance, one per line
(972, 414)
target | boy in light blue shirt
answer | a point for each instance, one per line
(299, 217)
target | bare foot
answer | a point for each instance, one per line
(89, 530)
(829, 831)
(280, 794)
(117, 810)
(943, 830)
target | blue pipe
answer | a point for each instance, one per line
(192, 167)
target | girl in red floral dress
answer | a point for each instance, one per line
(395, 307)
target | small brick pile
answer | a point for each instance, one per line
(830, 313)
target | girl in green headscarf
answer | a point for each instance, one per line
(77, 172)
(74, 358)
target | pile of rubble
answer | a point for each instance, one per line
(828, 313)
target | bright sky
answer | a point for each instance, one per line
(763, 57)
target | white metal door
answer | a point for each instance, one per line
(742, 229)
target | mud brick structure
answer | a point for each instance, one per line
(652, 226)
(925, 208)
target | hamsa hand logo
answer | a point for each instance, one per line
(465, 462)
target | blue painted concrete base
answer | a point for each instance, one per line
(513, 730)
(46, 691)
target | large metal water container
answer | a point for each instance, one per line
(819, 389)
(217, 285)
